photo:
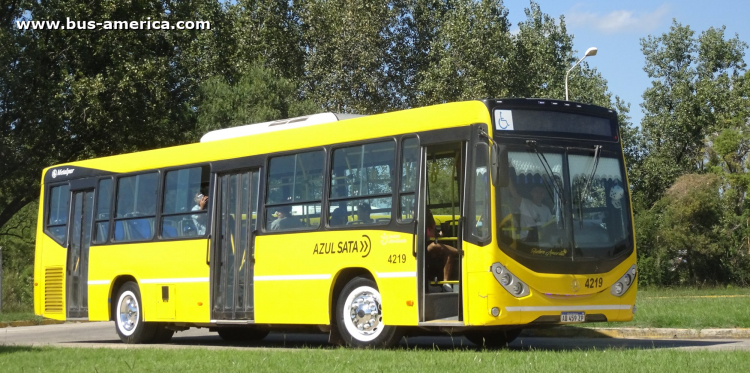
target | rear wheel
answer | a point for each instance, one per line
(359, 316)
(242, 334)
(493, 339)
(129, 316)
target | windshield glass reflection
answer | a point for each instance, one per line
(535, 220)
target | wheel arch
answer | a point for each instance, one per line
(115, 288)
(339, 281)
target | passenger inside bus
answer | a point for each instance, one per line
(363, 213)
(338, 217)
(439, 254)
(201, 201)
(284, 219)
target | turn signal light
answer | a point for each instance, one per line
(409, 303)
(200, 303)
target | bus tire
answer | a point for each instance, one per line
(493, 339)
(129, 316)
(359, 316)
(163, 334)
(242, 334)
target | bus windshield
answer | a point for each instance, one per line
(564, 204)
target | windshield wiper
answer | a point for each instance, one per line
(585, 192)
(556, 184)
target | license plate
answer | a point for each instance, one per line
(573, 317)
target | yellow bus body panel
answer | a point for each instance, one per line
(179, 265)
(295, 273)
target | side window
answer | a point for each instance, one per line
(481, 223)
(295, 191)
(409, 174)
(103, 210)
(185, 203)
(136, 207)
(59, 208)
(362, 184)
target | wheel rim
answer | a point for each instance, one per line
(363, 314)
(128, 318)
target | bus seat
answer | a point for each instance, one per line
(168, 231)
(119, 231)
(187, 228)
(140, 229)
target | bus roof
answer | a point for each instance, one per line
(277, 140)
(275, 125)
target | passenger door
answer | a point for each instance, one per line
(78, 254)
(232, 262)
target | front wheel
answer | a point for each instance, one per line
(493, 339)
(129, 316)
(359, 316)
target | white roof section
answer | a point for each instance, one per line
(273, 126)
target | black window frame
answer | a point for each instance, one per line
(401, 193)
(108, 237)
(480, 240)
(48, 211)
(266, 186)
(157, 208)
(159, 225)
(395, 181)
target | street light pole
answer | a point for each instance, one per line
(589, 52)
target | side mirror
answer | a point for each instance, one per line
(499, 165)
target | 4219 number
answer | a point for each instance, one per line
(592, 283)
(397, 258)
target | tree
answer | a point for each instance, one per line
(74, 94)
(347, 45)
(692, 95)
(468, 53)
(259, 95)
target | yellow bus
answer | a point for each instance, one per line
(481, 217)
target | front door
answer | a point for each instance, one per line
(441, 213)
(78, 254)
(233, 259)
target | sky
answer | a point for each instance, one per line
(616, 28)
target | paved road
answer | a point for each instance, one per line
(102, 335)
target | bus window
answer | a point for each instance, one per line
(136, 207)
(409, 171)
(59, 208)
(361, 184)
(103, 208)
(295, 191)
(481, 224)
(184, 208)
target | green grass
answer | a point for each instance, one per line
(32, 359)
(690, 309)
(19, 316)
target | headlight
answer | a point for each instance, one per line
(505, 279)
(618, 288)
(517, 288)
(623, 284)
(510, 282)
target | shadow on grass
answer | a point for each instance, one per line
(301, 341)
(13, 349)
